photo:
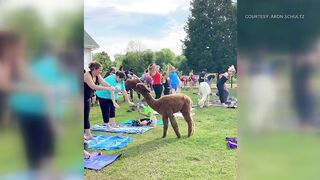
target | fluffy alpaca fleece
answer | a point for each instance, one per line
(167, 106)
(130, 85)
(205, 92)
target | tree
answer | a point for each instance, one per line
(211, 35)
(182, 64)
(104, 59)
(164, 56)
(133, 60)
(118, 59)
(135, 47)
(148, 57)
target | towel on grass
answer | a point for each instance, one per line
(125, 129)
(97, 162)
(231, 104)
(105, 142)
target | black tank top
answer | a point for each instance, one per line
(220, 83)
(166, 84)
(87, 91)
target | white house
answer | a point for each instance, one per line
(89, 45)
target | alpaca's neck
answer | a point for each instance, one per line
(151, 101)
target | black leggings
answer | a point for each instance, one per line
(107, 109)
(166, 91)
(158, 90)
(223, 95)
(38, 137)
(87, 104)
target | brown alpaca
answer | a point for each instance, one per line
(130, 85)
(167, 106)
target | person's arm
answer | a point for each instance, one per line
(124, 92)
(135, 76)
(152, 73)
(92, 85)
(178, 79)
(226, 75)
(146, 115)
(141, 113)
(163, 80)
(104, 83)
(113, 99)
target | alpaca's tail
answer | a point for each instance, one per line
(186, 112)
(187, 103)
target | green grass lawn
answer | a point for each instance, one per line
(203, 156)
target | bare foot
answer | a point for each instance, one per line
(114, 125)
(109, 126)
(224, 105)
(154, 123)
(87, 155)
(89, 137)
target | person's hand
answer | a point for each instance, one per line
(111, 88)
(116, 105)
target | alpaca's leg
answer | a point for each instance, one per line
(207, 100)
(165, 126)
(202, 101)
(188, 118)
(131, 94)
(174, 125)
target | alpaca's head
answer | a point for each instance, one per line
(131, 84)
(142, 89)
(136, 81)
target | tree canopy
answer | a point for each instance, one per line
(211, 35)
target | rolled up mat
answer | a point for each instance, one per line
(232, 142)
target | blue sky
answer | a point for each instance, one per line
(156, 24)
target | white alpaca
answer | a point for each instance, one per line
(205, 92)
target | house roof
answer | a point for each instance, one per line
(89, 42)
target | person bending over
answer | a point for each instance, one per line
(223, 91)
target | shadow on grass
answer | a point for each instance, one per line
(149, 146)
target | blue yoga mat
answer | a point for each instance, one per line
(105, 142)
(97, 162)
(126, 129)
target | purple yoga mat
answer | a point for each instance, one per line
(97, 162)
